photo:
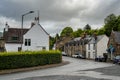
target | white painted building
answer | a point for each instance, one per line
(96, 47)
(35, 38)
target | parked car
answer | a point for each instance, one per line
(78, 55)
(116, 60)
(64, 54)
(99, 59)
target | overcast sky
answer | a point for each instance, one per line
(57, 14)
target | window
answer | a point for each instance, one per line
(43, 48)
(19, 48)
(93, 46)
(88, 46)
(15, 38)
(27, 42)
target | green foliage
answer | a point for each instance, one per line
(87, 27)
(77, 33)
(110, 21)
(13, 60)
(101, 31)
(110, 18)
(119, 27)
(67, 31)
(116, 26)
(57, 36)
(91, 32)
(52, 41)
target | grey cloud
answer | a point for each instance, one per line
(61, 12)
(101, 10)
(49, 9)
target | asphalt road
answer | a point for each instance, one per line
(78, 69)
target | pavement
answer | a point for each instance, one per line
(62, 77)
(9, 71)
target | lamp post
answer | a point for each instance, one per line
(22, 26)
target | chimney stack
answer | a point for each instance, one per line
(36, 20)
(32, 24)
(6, 26)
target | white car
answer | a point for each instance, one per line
(77, 55)
(64, 54)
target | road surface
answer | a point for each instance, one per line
(77, 69)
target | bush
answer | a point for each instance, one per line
(11, 60)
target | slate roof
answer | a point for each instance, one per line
(77, 39)
(97, 40)
(13, 35)
(80, 40)
(117, 36)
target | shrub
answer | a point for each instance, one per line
(11, 60)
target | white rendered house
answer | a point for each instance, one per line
(35, 38)
(96, 48)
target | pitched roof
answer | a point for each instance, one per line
(97, 40)
(77, 39)
(80, 40)
(100, 37)
(14, 35)
(117, 36)
(43, 29)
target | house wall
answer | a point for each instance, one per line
(102, 46)
(12, 47)
(39, 38)
(90, 53)
(118, 49)
(114, 44)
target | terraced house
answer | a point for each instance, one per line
(77, 45)
(89, 46)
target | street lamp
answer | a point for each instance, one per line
(22, 26)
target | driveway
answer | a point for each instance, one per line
(78, 69)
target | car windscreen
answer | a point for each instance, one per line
(117, 57)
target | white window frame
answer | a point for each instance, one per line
(27, 42)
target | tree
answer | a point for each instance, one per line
(87, 27)
(101, 31)
(57, 36)
(52, 41)
(109, 18)
(109, 24)
(77, 33)
(119, 27)
(117, 24)
(67, 31)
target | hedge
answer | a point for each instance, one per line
(13, 60)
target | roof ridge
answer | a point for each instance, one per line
(43, 29)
